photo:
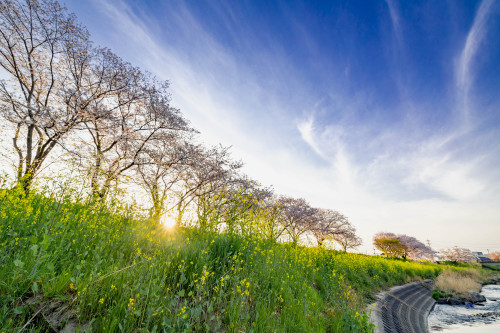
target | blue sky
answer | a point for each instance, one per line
(386, 111)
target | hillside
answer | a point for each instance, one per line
(67, 264)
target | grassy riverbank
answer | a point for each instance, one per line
(462, 282)
(104, 268)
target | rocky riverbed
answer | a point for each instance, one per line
(467, 317)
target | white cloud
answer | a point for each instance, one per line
(475, 38)
(306, 129)
(452, 179)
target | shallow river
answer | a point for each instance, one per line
(462, 319)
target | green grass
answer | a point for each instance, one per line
(492, 267)
(111, 270)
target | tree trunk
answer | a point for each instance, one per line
(156, 211)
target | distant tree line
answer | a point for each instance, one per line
(116, 125)
(458, 254)
(495, 255)
(408, 247)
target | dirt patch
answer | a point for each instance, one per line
(56, 314)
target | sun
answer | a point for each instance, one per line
(168, 221)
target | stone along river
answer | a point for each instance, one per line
(483, 317)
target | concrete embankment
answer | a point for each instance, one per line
(403, 309)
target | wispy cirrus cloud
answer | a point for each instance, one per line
(396, 21)
(192, 83)
(307, 132)
(476, 37)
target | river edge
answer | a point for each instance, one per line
(480, 317)
(396, 308)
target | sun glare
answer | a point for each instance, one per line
(168, 222)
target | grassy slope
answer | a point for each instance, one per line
(120, 273)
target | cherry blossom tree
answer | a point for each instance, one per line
(348, 239)
(115, 136)
(241, 205)
(458, 254)
(401, 245)
(42, 48)
(297, 216)
(415, 249)
(160, 169)
(328, 224)
(207, 172)
(388, 244)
